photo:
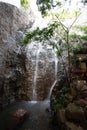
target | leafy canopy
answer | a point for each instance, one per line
(40, 34)
(56, 29)
(79, 41)
(46, 5)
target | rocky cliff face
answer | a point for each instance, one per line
(13, 24)
(42, 68)
(26, 73)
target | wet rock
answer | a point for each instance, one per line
(71, 119)
(24, 69)
(85, 110)
(81, 102)
(61, 116)
(16, 118)
(41, 68)
(74, 113)
(84, 88)
(72, 126)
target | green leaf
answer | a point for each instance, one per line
(25, 3)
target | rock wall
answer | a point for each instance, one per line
(26, 73)
(42, 68)
(72, 117)
(13, 24)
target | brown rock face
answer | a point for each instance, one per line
(75, 113)
(41, 69)
(71, 118)
(81, 102)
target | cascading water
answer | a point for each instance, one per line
(42, 65)
(55, 81)
(53, 85)
(56, 67)
(39, 49)
(35, 76)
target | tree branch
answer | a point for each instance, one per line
(74, 21)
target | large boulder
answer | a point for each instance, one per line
(28, 72)
(13, 24)
(13, 19)
(72, 126)
(16, 118)
(71, 118)
(75, 113)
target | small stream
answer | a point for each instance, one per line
(39, 116)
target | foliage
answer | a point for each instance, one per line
(61, 98)
(59, 103)
(46, 5)
(78, 41)
(58, 36)
(53, 34)
(25, 3)
(40, 34)
(56, 32)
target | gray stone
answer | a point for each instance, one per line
(13, 23)
(13, 19)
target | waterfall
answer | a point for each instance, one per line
(53, 85)
(35, 76)
(42, 66)
(56, 67)
(39, 49)
(55, 81)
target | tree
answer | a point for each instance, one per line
(59, 36)
(55, 31)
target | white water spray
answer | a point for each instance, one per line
(55, 81)
(35, 76)
(53, 85)
(36, 72)
(56, 67)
